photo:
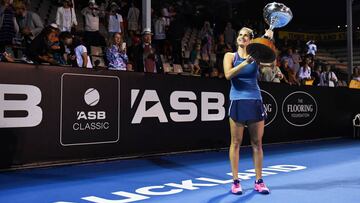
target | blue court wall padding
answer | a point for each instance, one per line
(54, 114)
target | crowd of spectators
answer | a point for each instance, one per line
(126, 46)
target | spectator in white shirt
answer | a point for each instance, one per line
(312, 49)
(66, 17)
(305, 71)
(116, 22)
(160, 32)
(81, 54)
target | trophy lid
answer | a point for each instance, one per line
(277, 15)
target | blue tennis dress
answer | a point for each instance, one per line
(245, 98)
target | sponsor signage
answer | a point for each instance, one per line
(299, 109)
(89, 110)
(270, 105)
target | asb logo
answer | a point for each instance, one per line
(90, 109)
(270, 106)
(183, 106)
(19, 106)
(299, 109)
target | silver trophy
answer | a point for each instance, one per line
(277, 15)
(262, 49)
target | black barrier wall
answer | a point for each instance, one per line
(57, 114)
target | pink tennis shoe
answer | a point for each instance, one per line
(236, 188)
(261, 187)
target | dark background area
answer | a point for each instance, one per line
(309, 15)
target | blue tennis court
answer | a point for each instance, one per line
(320, 171)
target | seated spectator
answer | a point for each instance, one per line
(8, 27)
(7, 57)
(271, 73)
(315, 74)
(355, 79)
(62, 54)
(328, 77)
(305, 72)
(288, 56)
(66, 17)
(297, 60)
(356, 74)
(116, 53)
(290, 75)
(214, 73)
(81, 53)
(145, 57)
(44, 45)
(30, 23)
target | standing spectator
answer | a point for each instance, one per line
(312, 48)
(195, 59)
(160, 33)
(229, 35)
(145, 57)
(116, 53)
(166, 14)
(81, 54)
(8, 25)
(133, 18)
(175, 33)
(206, 35)
(66, 17)
(116, 22)
(305, 71)
(221, 49)
(30, 24)
(92, 36)
(328, 77)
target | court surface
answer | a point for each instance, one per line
(320, 171)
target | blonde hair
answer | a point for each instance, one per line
(248, 30)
